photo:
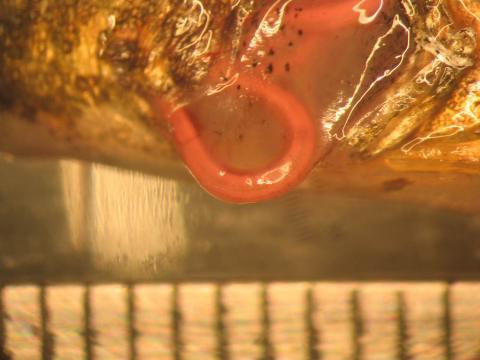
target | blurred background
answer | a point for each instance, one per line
(89, 253)
(68, 221)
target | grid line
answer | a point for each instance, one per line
(357, 324)
(402, 329)
(176, 320)
(3, 352)
(132, 332)
(88, 334)
(48, 339)
(221, 329)
(312, 331)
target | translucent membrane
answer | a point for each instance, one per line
(265, 114)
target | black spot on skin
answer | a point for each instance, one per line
(287, 67)
(300, 32)
(395, 184)
(269, 69)
(271, 52)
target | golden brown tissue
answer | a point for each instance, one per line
(397, 104)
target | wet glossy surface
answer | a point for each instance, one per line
(80, 224)
(408, 116)
(294, 67)
(373, 77)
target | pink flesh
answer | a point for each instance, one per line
(260, 137)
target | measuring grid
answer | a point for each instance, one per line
(384, 321)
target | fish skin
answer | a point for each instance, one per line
(439, 173)
(73, 79)
(435, 66)
(73, 75)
